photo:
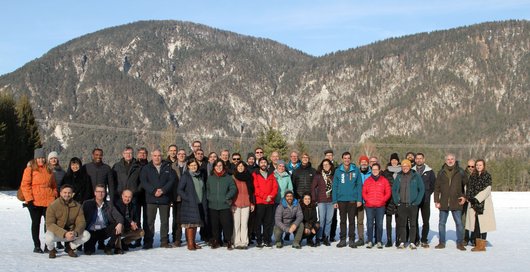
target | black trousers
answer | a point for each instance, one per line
(265, 219)
(36, 212)
(175, 226)
(425, 210)
(389, 226)
(333, 230)
(407, 214)
(476, 232)
(347, 211)
(222, 219)
(99, 236)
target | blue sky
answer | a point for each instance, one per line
(29, 29)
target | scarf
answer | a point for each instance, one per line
(477, 183)
(219, 174)
(243, 176)
(329, 181)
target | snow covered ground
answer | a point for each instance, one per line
(509, 250)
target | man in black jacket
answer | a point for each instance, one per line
(102, 221)
(127, 174)
(100, 172)
(131, 226)
(157, 179)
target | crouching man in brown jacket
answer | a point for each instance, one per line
(65, 222)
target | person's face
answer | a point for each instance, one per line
(212, 157)
(329, 156)
(280, 168)
(75, 167)
(141, 155)
(294, 157)
(172, 152)
(471, 165)
(405, 168)
(251, 161)
(193, 167)
(224, 155)
(240, 168)
(199, 155)
(307, 200)
(127, 155)
(196, 146)
(364, 163)
(156, 157)
(346, 159)
(275, 157)
(450, 160)
(263, 165)
(181, 156)
(126, 197)
(419, 160)
(410, 157)
(326, 166)
(219, 167)
(305, 159)
(289, 198)
(97, 156)
(376, 170)
(236, 159)
(372, 161)
(479, 166)
(99, 194)
(40, 161)
(66, 194)
(53, 161)
(394, 162)
(259, 153)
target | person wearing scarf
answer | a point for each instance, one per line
(243, 205)
(480, 216)
(220, 190)
(321, 193)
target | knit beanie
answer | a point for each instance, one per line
(363, 158)
(406, 162)
(394, 156)
(39, 153)
(53, 154)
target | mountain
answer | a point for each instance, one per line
(153, 82)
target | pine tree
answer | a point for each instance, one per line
(9, 172)
(272, 140)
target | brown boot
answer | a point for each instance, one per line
(229, 246)
(194, 235)
(52, 254)
(214, 244)
(480, 245)
(190, 239)
(461, 246)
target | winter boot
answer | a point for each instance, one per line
(194, 235)
(342, 243)
(325, 241)
(480, 245)
(190, 239)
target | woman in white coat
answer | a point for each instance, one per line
(480, 216)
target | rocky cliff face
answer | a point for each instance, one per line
(135, 84)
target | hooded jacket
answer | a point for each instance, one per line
(38, 185)
(347, 185)
(287, 215)
(284, 184)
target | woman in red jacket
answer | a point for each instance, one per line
(376, 192)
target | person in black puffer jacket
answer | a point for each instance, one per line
(303, 177)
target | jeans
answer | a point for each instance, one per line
(325, 214)
(377, 215)
(457, 216)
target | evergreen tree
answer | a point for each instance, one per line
(9, 143)
(272, 140)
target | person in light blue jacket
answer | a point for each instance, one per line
(284, 181)
(347, 196)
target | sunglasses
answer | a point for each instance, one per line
(236, 159)
(259, 152)
(470, 166)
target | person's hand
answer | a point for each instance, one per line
(134, 226)
(268, 199)
(359, 204)
(158, 193)
(437, 205)
(252, 207)
(292, 228)
(119, 228)
(336, 206)
(30, 204)
(307, 231)
(233, 208)
(69, 236)
(461, 200)
(313, 231)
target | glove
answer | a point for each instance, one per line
(30, 204)
(473, 201)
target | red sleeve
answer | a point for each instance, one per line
(274, 186)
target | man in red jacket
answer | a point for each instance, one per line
(265, 190)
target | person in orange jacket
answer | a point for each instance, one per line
(40, 190)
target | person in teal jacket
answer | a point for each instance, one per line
(347, 196)
(284, 181)
(407, 193)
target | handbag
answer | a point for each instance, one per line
(20, 195)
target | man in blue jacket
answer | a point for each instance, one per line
(407, 193)
(347, 196)
(157, 179)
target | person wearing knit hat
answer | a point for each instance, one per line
(251, 162)
(406, 162)
(394, 156)
(53, 154)
(39, 153)
(366, 172)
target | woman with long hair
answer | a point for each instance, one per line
(243, 205)
(321, 193)
(480, 217)
(78, 178)
(40, 190)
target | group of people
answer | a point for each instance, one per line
(236, 203)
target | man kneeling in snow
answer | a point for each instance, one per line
(65, 222)
(288, 219)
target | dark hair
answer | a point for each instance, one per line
(328, 151)
(263, 159)
(236, 154)
(376, 164)
(215, 164)
(345, 154)
(172, 145)
(128, 148)
(192, 160)
(237, 165)
(419, 154)
(99, 185)
(97, 149)
(66, 186)
(321, 166)
(75, 160)
(142, 149)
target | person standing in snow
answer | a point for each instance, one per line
(390, 173)
(376, 192)
(366, 172)
(428, 177)
(265, 191)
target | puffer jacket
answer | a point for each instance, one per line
(310, 215)
(287, 215)
(302, 178)
(62, 217)
(264, 187)
(38, 185)
(376, 192)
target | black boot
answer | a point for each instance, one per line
(325, 241)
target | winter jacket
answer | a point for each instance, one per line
(310, 216)
(111, 216)
(38, 185)
(220, 191)
(416, 189)
(189, 209)
(376, 193)
(126, 178)
(58, 173)
(284, 185)
(302, 178)
(127, 212)
(101, 174)
(178, 170)
(447, 189)
(318, 189)
(151, 180)
(391, 207)
(80, 181)
(347, 185)
(290, 167)
(288, 215)
(264, 187)
(62, 217)
(366, 175)
(486, 220)
(429, 179)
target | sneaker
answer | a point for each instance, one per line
(268, 244)
(440, 246)
(260, 245)
(352, 244)
(37, 250)
(425, 245)
(379, 245)
(311, 243)
(342, 243)
(401, 246)
(52, 254)
(297, 246)
(412, 246)
(359, 243)
(369, 245)
(279, 245)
